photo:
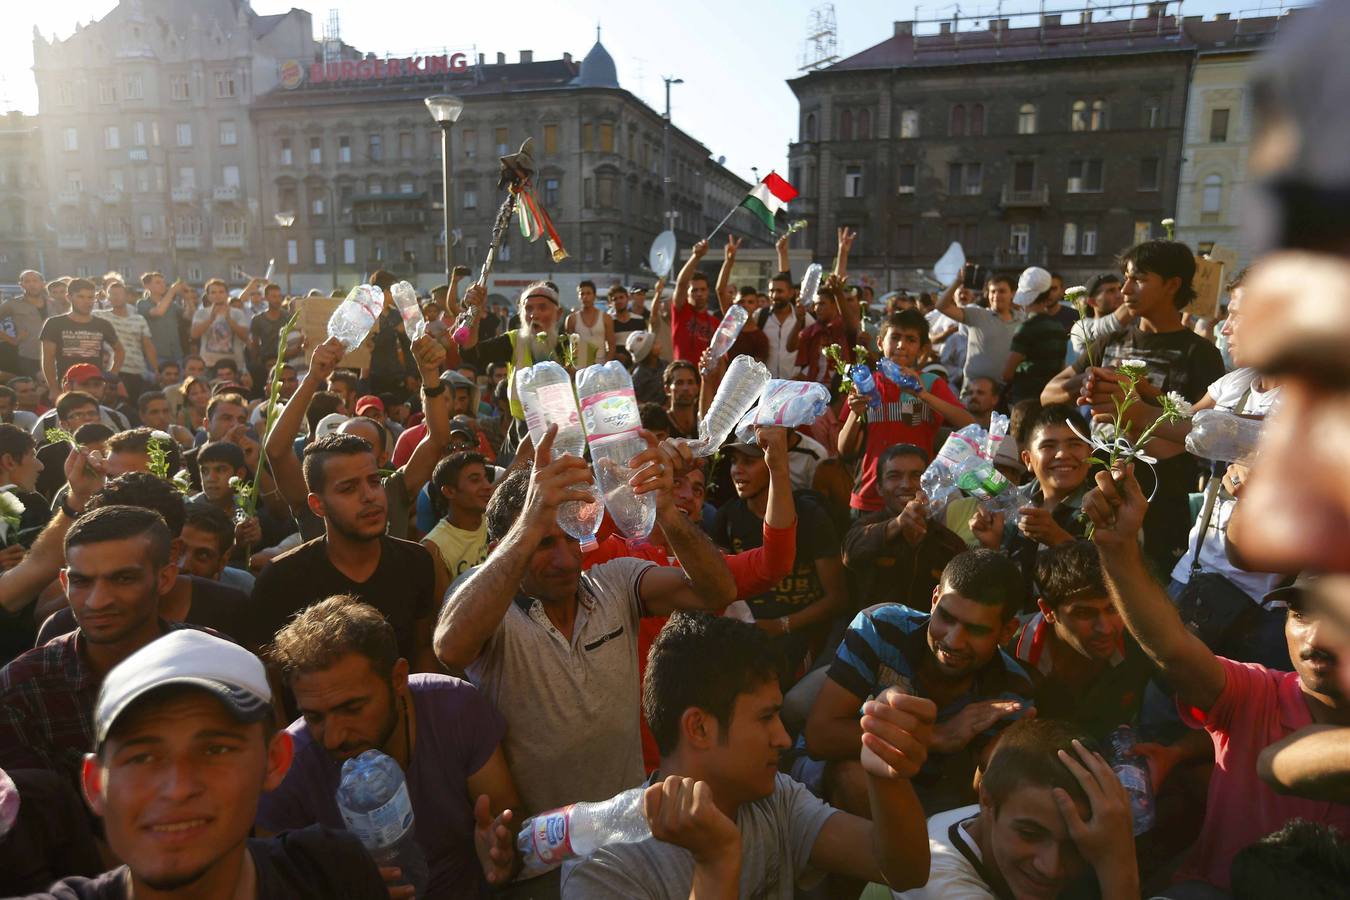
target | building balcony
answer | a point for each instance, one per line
(187, 241)
(227, 241)
(385, 218)
(118, 241)
(226, 193)
(1012, 258)
(67, 198)
(183, 195)
(1036, 198)
(111, 196)
(72, 241)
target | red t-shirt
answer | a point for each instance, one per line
(691, 331)
(1258, 707)
(902, 419)
(811, 344)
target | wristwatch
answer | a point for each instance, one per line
(433, 391)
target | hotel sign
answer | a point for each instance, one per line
(293, 73)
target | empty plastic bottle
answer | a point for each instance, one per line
(727, 331)
(549, 838)
(740, 388)
(810, 284)
(998, 430)
(546, 393)
(1223, 436)
(609, 413)
(355, 316)
(785, 403)
(896, 376)
(1132, 771)
(862, 379)
(405, 298)
(372, 797)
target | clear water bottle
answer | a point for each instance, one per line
(609, 413)
(785, 403)
(865, 384)
(552, 837)
(998, 430)
(373, 799)
(1132, 770)
(355, 316)
(546, 393)
(740, 388)
(727, 331)
(1223, 436)
(810, 284)
(405, 298)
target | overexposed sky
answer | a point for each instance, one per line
(734, 57)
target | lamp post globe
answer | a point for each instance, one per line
(286, 220)
(445, 110)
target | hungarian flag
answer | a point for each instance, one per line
(768, 198)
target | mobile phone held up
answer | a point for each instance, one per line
(974, 277)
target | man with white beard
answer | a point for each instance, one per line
(535, 341)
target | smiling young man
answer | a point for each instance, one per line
(989, 331)
(184, 745)
(725, 823)
(462, 487)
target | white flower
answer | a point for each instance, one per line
(1125, 451)
(1183, 407)
(234, 481)
(1132, 364)
(1168, 223)
(1075, 293)
(10, 505)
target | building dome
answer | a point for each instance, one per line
(597, 69)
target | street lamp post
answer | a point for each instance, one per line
(445, 110)
(286, 220)
(665, 154)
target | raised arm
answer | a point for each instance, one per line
(1116, 508)
(280, 442)
(436, 409)
(474, 298)
(686, 275)
(728, 260)
(846, 239)
(781, 246)
(947, 304)
(473, 611)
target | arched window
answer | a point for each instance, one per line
(1078, 118)
(810, 126)
(956, 126)
(846, 125)
(1098, 120)
(864, 124)
(1211, 198)
(977, 120)
(1026, 118)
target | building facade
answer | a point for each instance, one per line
(351, 151)
(23, 197)
(1054, 144)
(149, 154)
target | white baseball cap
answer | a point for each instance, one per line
(639, 343)
(1034, 282)
(185, 656)
(329, 424)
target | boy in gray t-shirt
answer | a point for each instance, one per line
(722, 815)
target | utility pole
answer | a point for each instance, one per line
(665, 156)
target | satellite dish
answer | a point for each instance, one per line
(662, 255)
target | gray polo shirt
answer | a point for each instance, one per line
(571, 708)
(989, 341)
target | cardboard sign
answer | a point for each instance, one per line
(314, 315)
(1208, 284)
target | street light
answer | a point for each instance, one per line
(665, 153)
(445, 110)
(286, 220)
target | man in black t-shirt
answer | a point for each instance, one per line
(1158, 276)
(198, 709)
(77, 337)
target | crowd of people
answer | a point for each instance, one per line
(229, 563)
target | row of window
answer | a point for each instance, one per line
(227, 135)
(1016, 242)
(1085, 176)
(969, 120)
(132, 87)
(149, 179)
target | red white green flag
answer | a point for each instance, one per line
(768, 198)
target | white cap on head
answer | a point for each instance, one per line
(186, 656)
(1034, 282)
(329, 424)
(639, 343)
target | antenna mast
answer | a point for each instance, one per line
(821, 47)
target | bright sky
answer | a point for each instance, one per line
(734, 57)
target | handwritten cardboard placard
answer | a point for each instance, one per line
(314, 315)
(1208, 284)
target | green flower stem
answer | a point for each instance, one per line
(250, 500)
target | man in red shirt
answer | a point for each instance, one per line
(828, 328)
(692, 326)
(1245, 707)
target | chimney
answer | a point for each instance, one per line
(1049, 21)
(945, 28)
(567, 57)
(527, 56)
(501, 58)
(1086, 17)
(1222, 17)
(904, 29)
(1157, 10)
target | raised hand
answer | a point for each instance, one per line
(494, 843)
(846, 238)
(429, 355)
(654, 472)
(897, 729)
(773, 440)
(1039, 525)
(700, 250)
(240, 437)
(325, 359)
(1116, 508)
(976, 718)
(476, 296)
(913, 519)
(85, 473)
(554, 482)
(733, 244)
(987, 528)
(1106, 836)
(681, 811)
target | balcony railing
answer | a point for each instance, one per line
(227, 241)
(118, 241)
(226, 193)
(68, 198)
(377, 218)
(111, 196)
(183, 194)
(72, 241)
(1034, 256)
(187, 241)
(1036, 197)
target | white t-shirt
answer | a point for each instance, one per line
(131, 330)
(1228, 392)
(219, 341)
(951, 874)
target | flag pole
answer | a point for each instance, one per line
(724, 221)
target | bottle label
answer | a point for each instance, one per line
(774, 406)
(384, 825)
(554, 405)
(610, 413)
(552, 843)
(957, 449)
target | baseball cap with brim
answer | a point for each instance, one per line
(1034, 282)
(329, 424)
(1305, 583)
(745, 447)
(80, 373)
(462, 425)
(189, 657)
(369, 401)
(639, 343)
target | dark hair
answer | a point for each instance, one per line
(212, 519)
(586, 283)
(785, 277)
(1027, 754)
(988, 577)
(704, 662)
(223, 364)
(133, 440)
(328, 630)
(70, 401)
(146, 398)
(222, 452)
(379, 429)
(1303, 859)
(215, 402)
(1069, 571)
(907, 320)
(446, 474)
(117, 523)
(1097, 282)
(1004, 279)
(699, 276)
(343, 376)
(1166, 259)
(1020, 418)
(655, 418)
(508, 499)
(748, 291)
(165, 363)
(8, 392)
(80, 284)
(618, 288)
(92, 432)
(146, 491)
(323, 403)
(382, 279)
(1046, 417)
(147, 276)
(895, 450)
(317, 453)
(15, 442)
(676, 366)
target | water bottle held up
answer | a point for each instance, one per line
(355, 316)
(552, 837)
(896, 376)
(372, 797)
(405, 298)
(1132, 770)
(785, 403)
(810, 284)
(609, 413)
(727, 331)
(1223, 436)
(740, 389)
(865, 384)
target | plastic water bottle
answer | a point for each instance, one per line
(998, 430)
(549, 838)
(896, 376)
(727, 331)
(785, 403)
(862, 379)
(546, 393)
(810, 284)
(740, 388)
(1223, 436)
(373, 799)
(355, 316)
(405, 298)
(609, 413)
(1132, 771)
